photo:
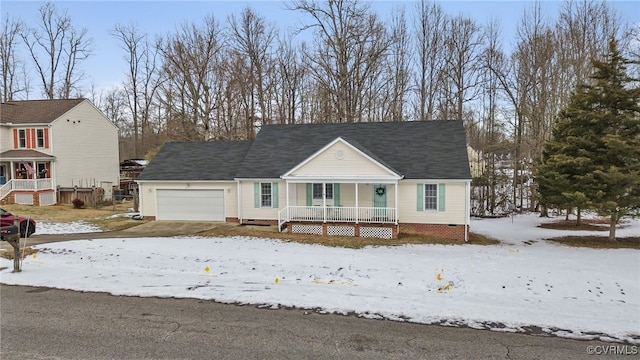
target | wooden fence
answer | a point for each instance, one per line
(92, 196)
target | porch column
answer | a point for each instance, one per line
(286, 186)
(396, 212)
(357, 211)
(324, 202)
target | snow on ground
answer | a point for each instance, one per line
(65, 228)
(571, 292)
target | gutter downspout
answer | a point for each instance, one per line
(239, 189)
(396, 195)
(467, 205)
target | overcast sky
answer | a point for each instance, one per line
(107, 66)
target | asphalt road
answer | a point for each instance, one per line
(43, 323)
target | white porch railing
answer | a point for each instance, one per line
(21, 184)
(337, 214)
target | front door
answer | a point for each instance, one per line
(3, 174)
(380, 200)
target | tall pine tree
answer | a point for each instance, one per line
(593, 160)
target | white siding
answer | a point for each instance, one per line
(6, 138)
(85, 145)
(455, 212)
(148, 206)
(249, 211)
(351, 163)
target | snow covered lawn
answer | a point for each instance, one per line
(573, 292)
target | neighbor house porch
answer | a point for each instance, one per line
(27, 182)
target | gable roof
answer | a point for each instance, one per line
(355, 146)
(415, 149)
(213, 160)
(35, 111)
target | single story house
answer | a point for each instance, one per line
(356, 179)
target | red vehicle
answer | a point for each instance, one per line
(27, 225)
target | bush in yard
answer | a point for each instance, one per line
(77, 203)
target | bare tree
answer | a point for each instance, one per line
(398, 60)
(429, 36)
(142, 82)
(252, 38)
(584, 28)
(10, 64)
(350, 43)
(191, 65)
(463, 49)
(57, 48)
(290, 73)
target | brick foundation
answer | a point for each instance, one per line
(9, 199)
(232, 220)
(455, 231)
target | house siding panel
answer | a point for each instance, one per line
(352, 163)
(85, 144)
(454, 213)
(249, 211)
(8, 139)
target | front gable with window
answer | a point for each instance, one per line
(340, 159)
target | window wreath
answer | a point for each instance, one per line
(380, 191)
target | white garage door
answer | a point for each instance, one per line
(195, 205)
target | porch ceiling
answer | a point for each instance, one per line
(343, 179)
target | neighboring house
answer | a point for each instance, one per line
(360, 179)
(46, 145)
(129, 171)
(476, 162)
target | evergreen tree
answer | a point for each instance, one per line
(593, 160)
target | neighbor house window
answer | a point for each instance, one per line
(431, 196)
(40, 137)
(265, 195)
(317, 191)
(22, 138)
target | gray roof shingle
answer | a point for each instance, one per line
(213, 160)
(417, 150)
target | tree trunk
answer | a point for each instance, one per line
(579, 217)
(612, 227)
(544, 212)
(612, 230)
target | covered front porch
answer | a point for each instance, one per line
(27, 182)
(345, 207)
